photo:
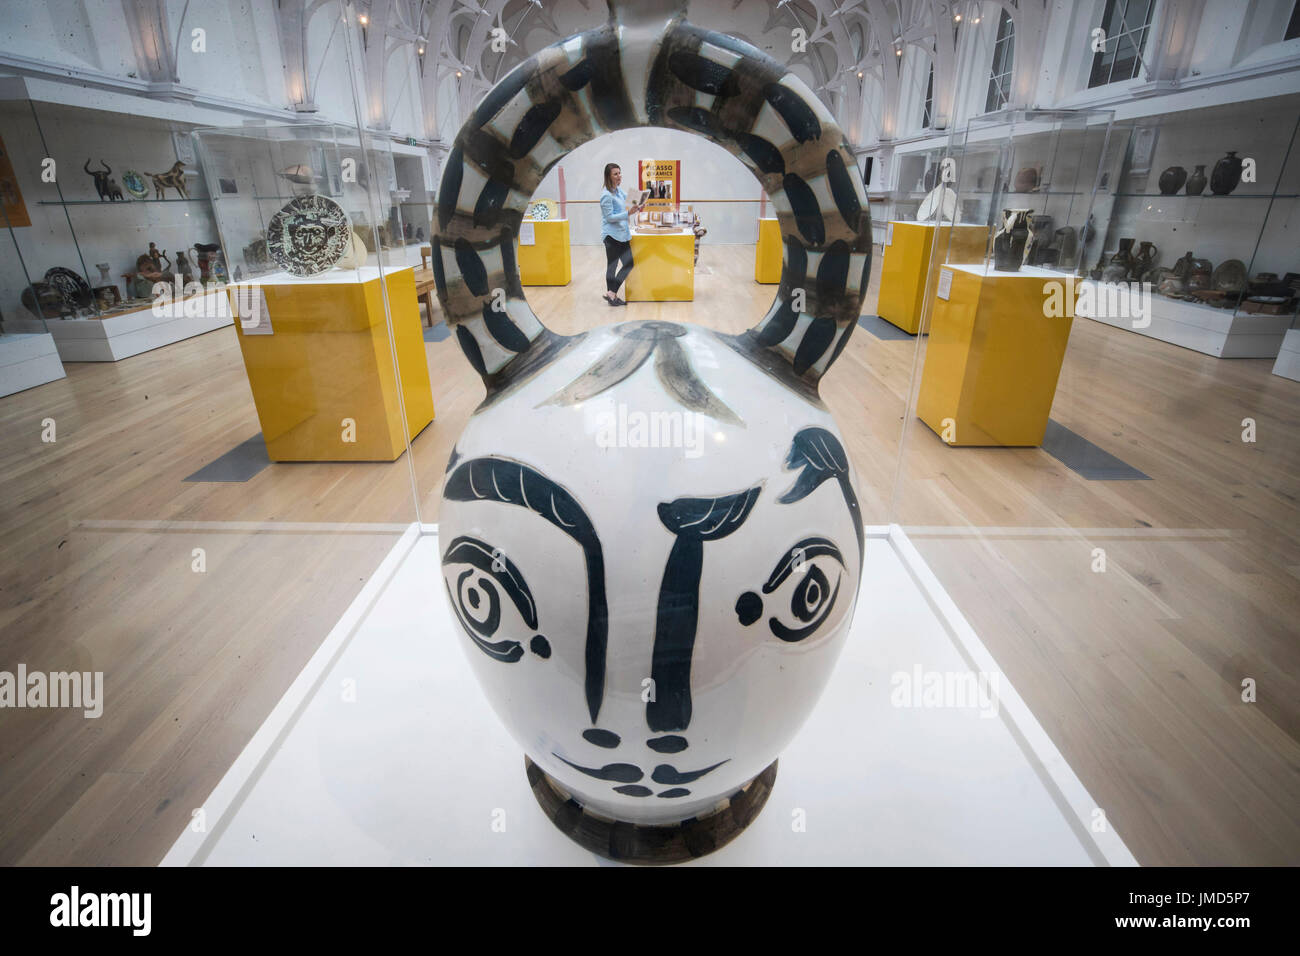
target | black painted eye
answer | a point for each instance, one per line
(478, 602)
(811, 595)
(803, 570)
(476, 575)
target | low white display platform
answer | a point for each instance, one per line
(1218, 332)
(28, 360)
(1288, 358)
(416, 768)
(333, 277)
(116, 337)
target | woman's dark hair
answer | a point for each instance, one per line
(609, 168)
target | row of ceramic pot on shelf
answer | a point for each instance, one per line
(1195, 279)
(1224, 178)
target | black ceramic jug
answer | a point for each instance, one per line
(1226, 175)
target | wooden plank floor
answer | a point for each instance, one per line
(1134, 672)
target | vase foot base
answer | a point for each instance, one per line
(650, 844)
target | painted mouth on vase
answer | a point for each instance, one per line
(629, 775)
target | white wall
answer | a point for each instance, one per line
(241, 53)
(724, 191)
(85, 33)
(242, 61)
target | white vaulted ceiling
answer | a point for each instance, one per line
(852, 46)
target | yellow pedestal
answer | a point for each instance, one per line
(323, 379)
(767, 254)
(905, 266)
(663, 268)
(546, 261)
(994, 356)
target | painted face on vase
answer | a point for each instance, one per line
(650, 568)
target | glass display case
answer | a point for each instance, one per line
(260, 170)
(103, 208)
(1003, 292)
(1047, 164)
(311, 237)
(1201, 207)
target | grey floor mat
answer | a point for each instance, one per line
(882, 329)
(1082, 456)
(437, 332)
(239, 464)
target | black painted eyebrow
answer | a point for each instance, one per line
(807, 548)
(495, 478)
(821, 457)
(478, 553)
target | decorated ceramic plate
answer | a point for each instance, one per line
(74, 289)
(1230, 276)
(309, 235)
(134, 183)
(543, 209)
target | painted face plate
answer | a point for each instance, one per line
(653, 550)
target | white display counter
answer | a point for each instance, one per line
(28, 360)
(385, 752)
(1288, 357)
(120, 336)
(1222, 333)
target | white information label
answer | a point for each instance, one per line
(889, 233)
(945, 284)
(527, 234)
(251, 311)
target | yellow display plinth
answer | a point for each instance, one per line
(546, 261)
(322, 376)
(994, 356)
(663, 268)
(905, 266)
(767, 254)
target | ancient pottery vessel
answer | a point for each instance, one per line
(1026, 180)
(1196, 181)
(1009, 244)
(1121, 263)
(1144, 260)
(1226, 174)
(1172, 179)
(1199, 274)
(651, 540)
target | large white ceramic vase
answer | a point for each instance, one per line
(651, 539)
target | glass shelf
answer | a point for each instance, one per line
(916, 196)
(1209, 196)
(102, 202)
(278, 198)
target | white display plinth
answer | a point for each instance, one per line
(415, 768)
(1288, 357)
(1218, 332)
(332, 277)
(116, 337)
(27, 361)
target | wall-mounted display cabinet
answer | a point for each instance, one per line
(102, 206)
(1203, 209)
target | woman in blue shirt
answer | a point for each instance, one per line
(614, 230)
